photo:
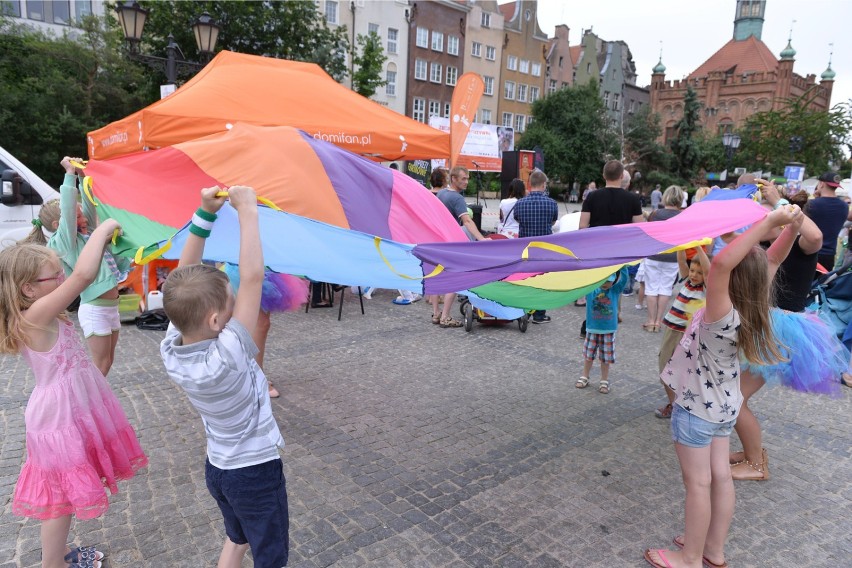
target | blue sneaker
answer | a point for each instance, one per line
(400, 301)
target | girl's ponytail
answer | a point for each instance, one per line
(48, 217)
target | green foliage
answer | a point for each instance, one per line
(369, 63)
(766, 136)
(572, 128)
(663, 178)
(287, 30)
(55, 90)
(686, 146)
(642, 130)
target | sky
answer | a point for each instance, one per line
(693, 30)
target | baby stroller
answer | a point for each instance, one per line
(832, 298)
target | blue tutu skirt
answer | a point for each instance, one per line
(816, 357)
(281, 292)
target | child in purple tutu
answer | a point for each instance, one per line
(79, 441)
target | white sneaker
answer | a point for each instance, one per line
(416, 298)
(639, 307)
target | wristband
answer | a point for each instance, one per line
(202, 223)
(781, 203)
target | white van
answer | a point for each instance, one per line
(21, 195)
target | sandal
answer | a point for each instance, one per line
(749, 471)
(582, 382)
(84, 557)
(273, 392)
(603, 387)
(450, 322)
(679, 542)
(664, 411)
(436, 320)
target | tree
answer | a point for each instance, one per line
(640, 141)
(685, 146)
(55, 90)
(766, 136)
(572, 128)
(287, 30)
(369, 63)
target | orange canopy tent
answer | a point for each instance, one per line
(263, 91)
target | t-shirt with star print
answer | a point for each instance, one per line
(704, 371)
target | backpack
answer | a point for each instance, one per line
(833, 300)
(156, 320)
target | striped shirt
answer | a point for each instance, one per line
(689, 298)
(229, 391)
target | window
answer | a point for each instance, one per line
(390, 83)
(435, 71)
(420, 69)
(422, 37)
(61, 12)
(82, 8)
(419, 110)
(560, 61)
(485, 116)
(452, 75)
(507, 119)
(552, 87)
(522, 93)
(520, 122)
(512, 63)
(447, 110)
(525, 66)
(437, 41)
(331, 11)
(453, 45)
(529, 121)
(509, 90)
(606, 99)
(536, 69)
(393, 35)
(10, 8)
(486, 20)
(489, 85)
(615, 101)
(35, 10)
(373, 29)
(490, 52)
(588, 67)
(434, 108)
(476, 49)
(533, 94)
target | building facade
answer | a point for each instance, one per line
(742, 78)
(559, 72)
(51, 16)
(484, 55)
(525, 48)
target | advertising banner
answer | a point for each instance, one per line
(483, 148)
(466, 97)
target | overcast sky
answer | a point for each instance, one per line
(693, 30)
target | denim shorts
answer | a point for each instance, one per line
(253, 501)
(690, 430)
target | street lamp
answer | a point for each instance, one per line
(731, 142)
(132, 18)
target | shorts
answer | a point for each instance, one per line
(659, 277)
(599, 342)
(640, 272)
(694, 432)
(253, 501)
(99, 320)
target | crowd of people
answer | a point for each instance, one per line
(732, 318)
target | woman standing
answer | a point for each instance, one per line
(661, 269)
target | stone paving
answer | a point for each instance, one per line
(409, 445)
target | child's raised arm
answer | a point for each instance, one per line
(682, 265)
(247, 305)
(718, 296)
(194, 247)
(703, 260)
(46, 308)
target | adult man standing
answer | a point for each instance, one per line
(536, 213)
(828, 212)
(656, 197)
(453, 200)
(610, 205)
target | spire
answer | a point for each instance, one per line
(748, 20)
(829, 74)
(659, 67)
(789, 52)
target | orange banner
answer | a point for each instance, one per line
(466, 97)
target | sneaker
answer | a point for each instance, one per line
(367, 293)
(664, 411)
(400, 301)
(542, 319)
(639, 307)
(583, 329)
(627, 292)
(416, 298)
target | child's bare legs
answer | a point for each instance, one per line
(449, 301)
(605, 371)
(722, 499)
(259, 335)
(640, 295)
(54, 535)
(102, 348)
(747, 426)
(587, 367)
(232, 554)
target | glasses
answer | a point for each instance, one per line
(58, 278)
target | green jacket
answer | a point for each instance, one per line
(68, 243)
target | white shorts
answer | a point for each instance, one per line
(659, 277)
(640, 273)
(98, 320)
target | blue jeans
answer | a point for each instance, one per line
(690, 430)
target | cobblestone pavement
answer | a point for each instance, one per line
(410, 445)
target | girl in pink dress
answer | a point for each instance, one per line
(79, 442)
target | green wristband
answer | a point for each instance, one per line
(781, 203)
(198, 231)
(207, 216)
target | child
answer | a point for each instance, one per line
(601, 325)
(79, 441)
(706, 367)
(209, 352)
(69, 225)
(688, 300)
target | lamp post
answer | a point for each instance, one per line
(731, 142)
(132, 18)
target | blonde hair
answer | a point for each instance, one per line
(700, 193)
(19, 264)
(751, 294)
(673, 196)
(191, 293)
(48, 216)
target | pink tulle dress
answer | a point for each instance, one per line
(79, 441)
